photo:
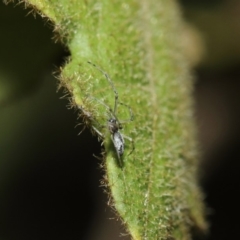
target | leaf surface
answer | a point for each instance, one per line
(138, 44)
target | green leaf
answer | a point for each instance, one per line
(138, 43)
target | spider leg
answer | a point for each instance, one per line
(88, 121)
(98, 133)
(130, 113)
(132, 142)
(102, 103)
(112, 85)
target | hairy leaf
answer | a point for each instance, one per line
(138, 44)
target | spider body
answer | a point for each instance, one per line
(113, 125)
(117, 138)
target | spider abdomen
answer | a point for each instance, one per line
(118, 142)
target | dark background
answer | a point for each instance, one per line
(49, 181)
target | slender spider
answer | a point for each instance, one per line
(113, 124)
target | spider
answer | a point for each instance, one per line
(113, 124)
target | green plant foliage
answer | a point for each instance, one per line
(138, 43)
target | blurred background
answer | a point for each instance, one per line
(49, 180)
